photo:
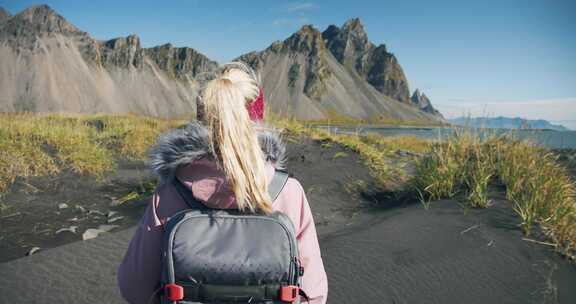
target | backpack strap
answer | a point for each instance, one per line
(277, 184)
(274, 188)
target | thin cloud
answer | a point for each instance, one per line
(301, 6)
(290, 22)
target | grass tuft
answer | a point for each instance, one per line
(37, 145)
(541, 190)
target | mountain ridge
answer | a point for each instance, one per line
(42, 50)
(317, 74)
(501, 122)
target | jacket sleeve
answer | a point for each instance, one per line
(139, 273)
(314, 281)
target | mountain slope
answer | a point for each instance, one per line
(303, 78)
(48, 65)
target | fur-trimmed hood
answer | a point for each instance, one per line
(181, 147)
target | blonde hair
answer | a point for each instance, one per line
(233, 137)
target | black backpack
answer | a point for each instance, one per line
(226, 256)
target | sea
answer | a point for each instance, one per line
(546, 138)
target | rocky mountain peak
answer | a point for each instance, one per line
(166, 46)
(23, 30)
(352, 48)
(121, 42)
(180, 62)
(355, 27)
(308, 42)
(40, 9)
(43, 19)
(348, 43)
(330, 32)
(308, 60)
(354, 23)
(307, 39)
(122, 52)
(422, 101)
(419, 98)
(306, 29)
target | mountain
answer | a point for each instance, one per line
(506, 123)
(49, 65)
(421, 101)
(351, 47)
(315, 75)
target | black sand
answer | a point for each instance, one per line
(401, 254)
(32, 217)
(440, 255)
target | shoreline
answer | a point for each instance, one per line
(549, 139)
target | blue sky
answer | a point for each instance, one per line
(516, 58)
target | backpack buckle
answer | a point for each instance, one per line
(174, 292)
(288, 293)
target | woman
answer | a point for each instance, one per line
(226, 160)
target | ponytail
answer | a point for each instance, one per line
(234, 140)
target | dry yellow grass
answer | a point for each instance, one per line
(129, 135)
(21, 157)
(541, 190)
(45, 144)
(36, 145)
(399, 143)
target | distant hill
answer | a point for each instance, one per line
(49, 65)
(506, 123)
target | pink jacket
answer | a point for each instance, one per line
(184, 154)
